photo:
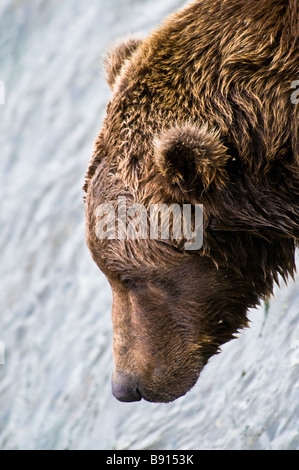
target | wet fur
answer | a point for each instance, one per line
(212, 85)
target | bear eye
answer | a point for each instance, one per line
(128, 282)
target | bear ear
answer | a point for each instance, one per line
(117, 56)
(190, 159)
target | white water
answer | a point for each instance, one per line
(55, 304)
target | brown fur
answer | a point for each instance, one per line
(116, 58)
(201, 113)
(190, 159)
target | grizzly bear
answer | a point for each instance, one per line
(200, 114)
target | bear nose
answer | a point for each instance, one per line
(124, 388)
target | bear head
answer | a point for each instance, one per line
(168, 140)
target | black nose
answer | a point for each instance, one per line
(124, 388)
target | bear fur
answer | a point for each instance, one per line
(200, 113)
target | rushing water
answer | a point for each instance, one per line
(55, 322)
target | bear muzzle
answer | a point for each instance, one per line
(127, 388)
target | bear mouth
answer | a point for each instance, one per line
(127, 390)
(161, 397)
